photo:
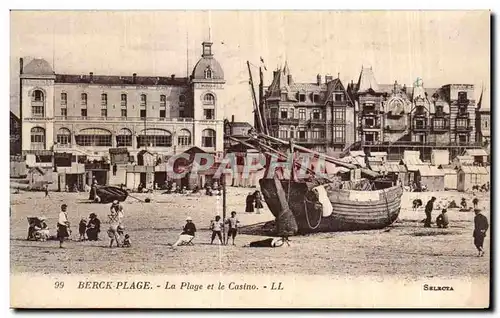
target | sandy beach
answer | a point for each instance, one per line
(405, 249)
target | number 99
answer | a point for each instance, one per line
(59, 285)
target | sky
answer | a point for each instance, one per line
(441, 47)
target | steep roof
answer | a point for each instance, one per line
(38, 66)
(367, 81)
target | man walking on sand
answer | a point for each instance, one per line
(62, 225)
(233, 227)
(480, 227)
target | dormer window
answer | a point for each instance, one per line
(208, 73)
(302, 97)
(439, 110)
(316, 98)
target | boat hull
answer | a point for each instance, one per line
(108, 194)
(352, 210)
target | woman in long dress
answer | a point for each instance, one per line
(249, 203)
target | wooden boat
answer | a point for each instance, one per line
(108, 194)
(352, 209)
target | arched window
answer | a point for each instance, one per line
(37, 138)
(97, 137)
(64, 137)
(209, 99)
(208, 138)
(163, 100)
(184, 137)
(155, 137)
(144, 99)
(124, 138)
(37, 103)
(208, 73)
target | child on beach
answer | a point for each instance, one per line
(216, 227)
(82, 228)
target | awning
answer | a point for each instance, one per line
(476, 152)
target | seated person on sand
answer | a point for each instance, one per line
(187, 234)
(93, 227)
(38, 230)
(442, 220)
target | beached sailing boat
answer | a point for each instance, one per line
(323, 205)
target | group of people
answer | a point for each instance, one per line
(216, 226)
(254, 200)
(92, 228)
(481, 224)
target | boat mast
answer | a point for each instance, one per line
(254, 99)
(262, 104)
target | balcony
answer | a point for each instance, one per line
(441, 128)
(317, 121)
(310, 141)
(395, 127)
(96, 166)
(463, 113)
(284, 121)
(463, 102)
(369, 112)
(131, 119)
(375, 126)
(421, 128)
(37, 103)
(463, 128)
(340, 103)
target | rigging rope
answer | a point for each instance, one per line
(306, 201)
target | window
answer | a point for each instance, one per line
(143, 114)
(124, 138)
(83, 112)
(182, 99)
(144, 100)
(462, 139)
(155, 138)
(64, 137)
(462, 97)
(420, 123)
(83, 98)
(209, 113)
(462, 123)
(317, 134)
(184, 138)
(439, 123)
(104, 99)
(209, 99)
(64, 112)
(163, 100)
(94, 137)
(338, 134)
(292, 132)
(124, 113)
(302, 98)
(163, 113)
(338, 97)
(439, 109)
(302, 113)
(208, 73)
(37, 96)
(37, 104)
(124, 99)
(104, 112)
(283, 134)
(339, 115)
(485, 124)
(181, 113)
(37, 138)
(291, 113)
(316, 98)
(274, 113)
(64, 99)
(208, 138)
(301, 134)
(369, 122)
(316, 114)
(284, 114)
(369, 138)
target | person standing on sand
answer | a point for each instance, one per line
(63, 225)
(249, 203)
(258, 201)
(233, 227)
(216, 227)
(428, 212)
(475, 202)
(46, 189)
(480, 227)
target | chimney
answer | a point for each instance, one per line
(91, 76)
(318, 79)
(328, 78)
(290, 79)
(172, 76)
(134, 78)
(232, 118)
(21, 66)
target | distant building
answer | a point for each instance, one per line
(316, 115)
(483, 120)
(392, 118)
(87, 115)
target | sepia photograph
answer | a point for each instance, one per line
(250, 159)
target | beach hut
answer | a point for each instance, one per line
(462, 161)
(412, 162)
(469, 176)
(480, 156)
(72, 177)
(38, 178)
(431, 177)
(440, 157)
(450, 178)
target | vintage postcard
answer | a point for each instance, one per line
(250, 159)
